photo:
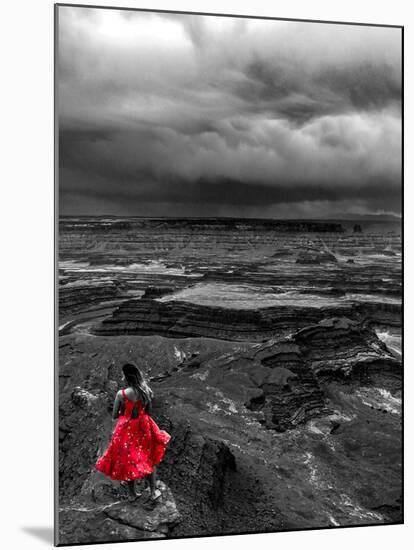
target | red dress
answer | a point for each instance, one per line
(136, 447)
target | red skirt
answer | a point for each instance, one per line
(136, 447)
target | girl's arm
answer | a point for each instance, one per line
(117, 405)
(148, 407)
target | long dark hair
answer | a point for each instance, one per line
(136, 379)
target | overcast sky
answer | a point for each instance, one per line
(184, 115)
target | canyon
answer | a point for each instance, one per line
(274, 352)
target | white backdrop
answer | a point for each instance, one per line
(26, 134)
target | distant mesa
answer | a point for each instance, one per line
(85, 224)
(315, 257)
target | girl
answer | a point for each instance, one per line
(137, 444)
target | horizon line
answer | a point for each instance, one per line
(339, 218)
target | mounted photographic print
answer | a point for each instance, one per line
(229, 274)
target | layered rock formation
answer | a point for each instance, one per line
(81, 297)
(284, 377)
(152, 292)
(342, 349)
(178, 319)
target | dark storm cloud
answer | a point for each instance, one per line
(299, 97)
(175, 115)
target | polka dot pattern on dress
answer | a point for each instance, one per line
(136, 447)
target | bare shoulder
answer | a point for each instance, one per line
(131, 393)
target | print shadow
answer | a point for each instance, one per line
(42, 533)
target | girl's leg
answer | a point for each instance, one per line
(131, 488)
(155, 493)
(153, 481)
